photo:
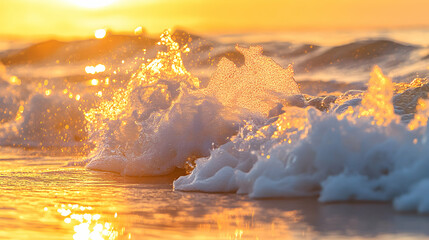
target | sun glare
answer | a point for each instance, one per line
(92, 3)
(100, 33)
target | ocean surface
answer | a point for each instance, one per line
(319, 135)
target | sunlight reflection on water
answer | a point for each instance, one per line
(86, 224)
(42, 199)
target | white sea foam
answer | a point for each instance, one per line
(365, 153)
(167, 139)
(46, 121)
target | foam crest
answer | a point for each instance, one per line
(361, 154)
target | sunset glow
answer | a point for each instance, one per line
(70, 18)
(214, 119)
(92, 3)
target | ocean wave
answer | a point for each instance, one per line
(54, 51)
(363, 153)
(358, 53)
(250, 128)
(153, 139)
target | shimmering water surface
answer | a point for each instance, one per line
(43, 198)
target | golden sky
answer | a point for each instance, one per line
(66, 18)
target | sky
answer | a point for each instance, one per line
(70, 18)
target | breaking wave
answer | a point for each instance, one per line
(249, 128)
(361, 153)
(165, 121)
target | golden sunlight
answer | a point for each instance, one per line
(92, 3)
(214, 119)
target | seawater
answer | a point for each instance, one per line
(44, 199)
(165, 120)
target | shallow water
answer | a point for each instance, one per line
(42, 198)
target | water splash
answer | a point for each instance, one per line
(159, 121)
(257, 85)
(377, 102)
(168, 65)
(153, 75)
(421, 117)
(403, 86)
